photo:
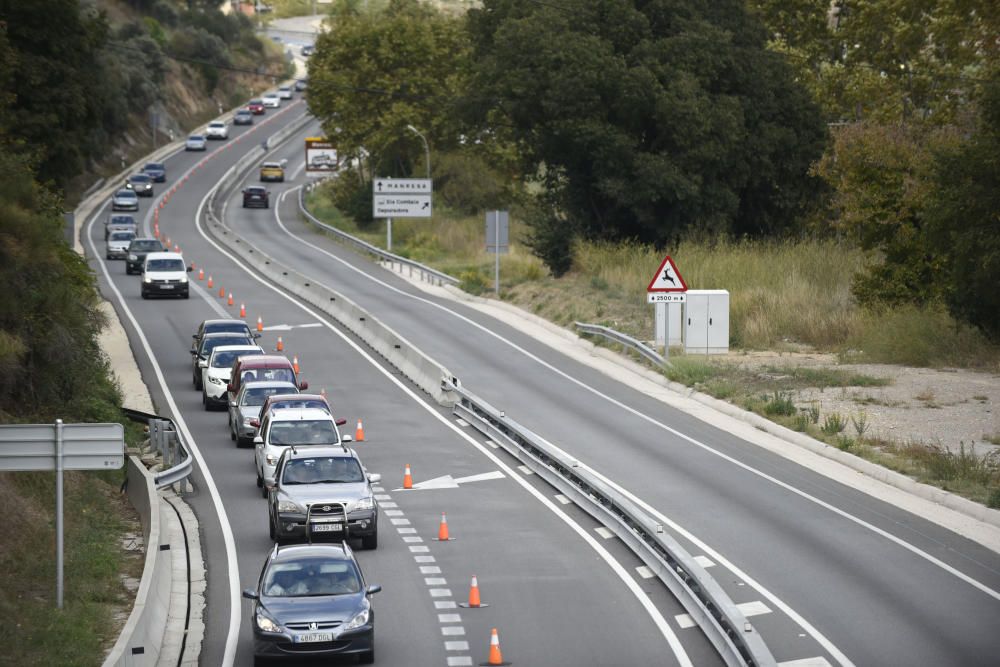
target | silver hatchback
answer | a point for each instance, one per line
(245, 408)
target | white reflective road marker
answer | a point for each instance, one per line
(749, 609)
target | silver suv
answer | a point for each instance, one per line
(281, 429)
(322, 492)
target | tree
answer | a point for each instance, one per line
(647, 121)
(963, 218)
(377, 71)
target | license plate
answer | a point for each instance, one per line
(314, 637)
(325, 527)
(166, 286)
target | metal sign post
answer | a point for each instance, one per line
(59, 447)
(497, 241)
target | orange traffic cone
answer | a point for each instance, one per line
(260, 324)
(230, 301)
(295, 365)
(156, 229)
(168, 241)
(407, 478)
(496, 658)
(201, 274)
(474, 601)
(443, 537)
(281, 344)
(359, 433)
(210, 283)
(222, 292)
(243, 310)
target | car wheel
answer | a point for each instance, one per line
(232, 435)
(197, 381)
(260, 480)
(107, 257)
(367, 658)
(260, 661)
(270, 527)
(370, 541)
(205, 403)
(263, 490)
(186, 295)
(144, 295)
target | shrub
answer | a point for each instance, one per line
(833, 423)
(779, 404)
(467, 184)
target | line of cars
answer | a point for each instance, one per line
(311, 599)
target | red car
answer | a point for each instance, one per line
(256, 107)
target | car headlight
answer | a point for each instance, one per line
(147, 279)
(132, 258)
(184, 280)
(361, 618)
(288, 506)
(271, 459)
(266, 623)
(365, 504)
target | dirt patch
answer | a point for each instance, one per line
(945, 407)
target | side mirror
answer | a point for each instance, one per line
(303, 385)
(346, 438)
(341, 422)
(371, 590)
(202, 363)
(194, 335)
(232, 404)
(258, 440)
(194, 352)
(230, 388)
(375, 477)
(250, 594)
(257, 335)
(190, 268)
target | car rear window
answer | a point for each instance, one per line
(225, 327)
(154, 165)
(126, 194)
(122, 236)
(269, 374)
(303, 432)
(296, 403)
(257, 395)
(146, 245)
(209, 344)
(226, 359)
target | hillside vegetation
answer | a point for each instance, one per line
(835, 169)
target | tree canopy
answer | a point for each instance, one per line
(647, 121)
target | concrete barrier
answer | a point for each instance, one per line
(139, 642)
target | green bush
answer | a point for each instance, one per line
(779, 403)
(833, 423)
(352, 195)
(467, 184)
(472, 282)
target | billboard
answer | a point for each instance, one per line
(321, 156)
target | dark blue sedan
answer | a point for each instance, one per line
(311, 601)
(156, 170)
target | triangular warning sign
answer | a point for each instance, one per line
(667, 278)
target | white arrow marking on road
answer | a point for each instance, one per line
(449, 482)
(289, 327)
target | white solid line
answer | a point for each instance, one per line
(452, 630)
(449, 618)
(604, 532)
(235, 606)
(562, 499)
(645, 572)
(658, 620)
(456, 646)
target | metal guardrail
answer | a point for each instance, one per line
(166, 440)
(425, 272)
(627, 341)
(726, 627)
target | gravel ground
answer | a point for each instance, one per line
(946, 407)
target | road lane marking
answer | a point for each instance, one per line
(562, 499)
(430, 569)
(445, 604)
(604, 532)
(460, 661)
(819, 661)
(749, 609)
(526, 470)
(435, 581)
(704, 561)
(452, 630)
(449, 618)
(456, 646)
(645, 572)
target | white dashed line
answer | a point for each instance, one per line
(406, 531)
(393, 512)
(449, 618)
(562, 499)
(452, 630)
(400, 522)
(413, 538)
(440, 592)
(492, 444)
(430, 569)
(749, 609)
(460, 661)
(388, 505)
(435, 581)
(704, 561)
(424, 559)
(461, 422)
(456, 646)
(445, 604)
(806, 662)
(382, 496)
(526, 470)
(604, 532)
(419, 549)
(645, 572)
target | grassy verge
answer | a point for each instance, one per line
(96, 601)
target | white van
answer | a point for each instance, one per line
(164, 274)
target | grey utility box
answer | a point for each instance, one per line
(676, 323)
(706, 322)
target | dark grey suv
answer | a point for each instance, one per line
(135, 256)
(323, 492)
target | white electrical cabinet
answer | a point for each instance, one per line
(706, 322)
(676, 323)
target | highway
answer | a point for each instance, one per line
(826, 572)
(543, 569)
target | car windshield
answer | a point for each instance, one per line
(139, 178)
(195, 137)
(243, 112)
(225, 359)
(254, 102)
(257, 395)
(254, 190)
(307, 577)
(122, 236)
(216, 123)
(126, 194)
(209, 344)
(165, 265)
(269, 374)
(303, 432)
(146, 245)
(323, 470)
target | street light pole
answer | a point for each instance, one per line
(427, 150)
